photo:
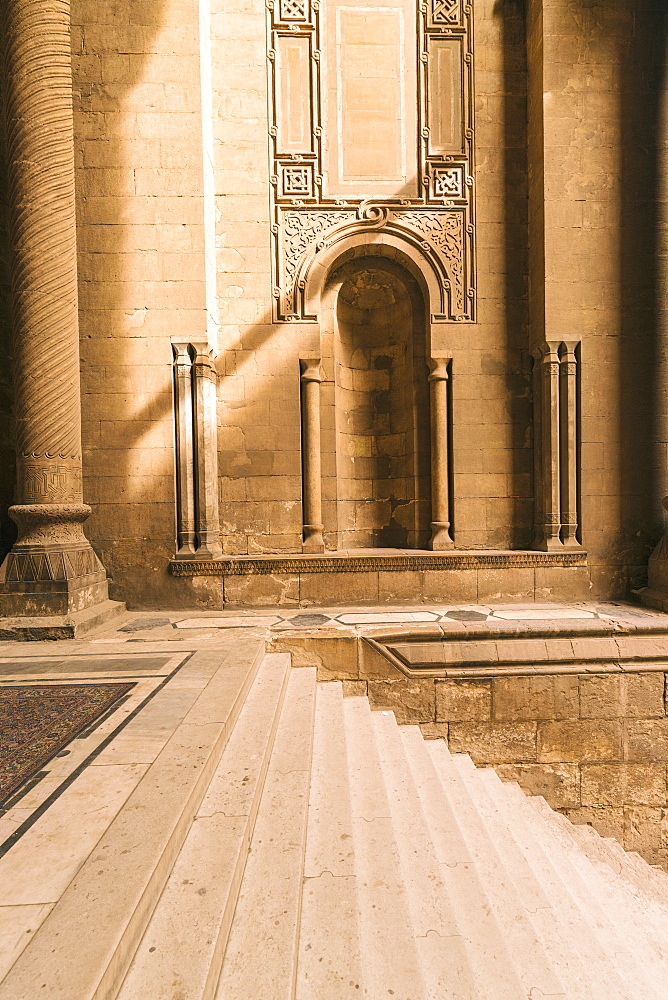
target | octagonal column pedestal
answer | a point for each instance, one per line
(655, 595)
(51, 581)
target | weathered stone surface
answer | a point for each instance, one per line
(578, 741)
(635, 696)
(608, 821)
(647, 740)
(494, 742)
(463, 701)
(559, 784)
(545, 697)
(642, 829)
(623, 784)
(334, 656)
(411, 700)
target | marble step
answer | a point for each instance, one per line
(619, 930)
(445, 958)
(585, 935)
(628, 865)
(95, 926)
(268, 910)
(391, 965)
(510, 888)
(182, 950)
(495, 970)
(329, 965)
(563, 931)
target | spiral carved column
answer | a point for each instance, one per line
(52, 568)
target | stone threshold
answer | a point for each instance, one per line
(72, 626)
(374, 560)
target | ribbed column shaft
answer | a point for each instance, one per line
(36, 41)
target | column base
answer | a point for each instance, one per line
(440, 536)
(313, 540)
(28, 628)
(52, 568)
(655, 594)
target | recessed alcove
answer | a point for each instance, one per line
(379, 487)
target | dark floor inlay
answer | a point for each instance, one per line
(315, 619)
(139, 624)
(37, 720)
(467, 616)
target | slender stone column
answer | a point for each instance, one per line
(550, 440)
(568, 372)
(440, 459)
(207, 521)
(311, 378)
(185, 450)
(52, 568)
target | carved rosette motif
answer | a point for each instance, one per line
(438, 220)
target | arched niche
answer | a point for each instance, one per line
(373, 329)
(375, 404)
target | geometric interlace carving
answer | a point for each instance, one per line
(445, 11)
(293, 10)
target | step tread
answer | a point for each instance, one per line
(560, 934)
(628, 950)
(504, 881)
(391, 961)
(197, 904)
(494, 966)
(329, 965)
(117, 887)
(268, 910)
(445, 955)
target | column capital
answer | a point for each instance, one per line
(310, 369)
(439, 369)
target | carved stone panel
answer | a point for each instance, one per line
(371, 129)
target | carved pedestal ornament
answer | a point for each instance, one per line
(52, 569)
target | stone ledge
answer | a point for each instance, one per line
(70, 626)
(359, 561)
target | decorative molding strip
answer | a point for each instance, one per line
(403, 562)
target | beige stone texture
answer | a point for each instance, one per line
(579, 741)
(559, 784)
(647, 740)
(608, 821)
(411, 700)
(524, 698)
(494, 743)
(463, 701)
(261, 590)
(629, 784)
(335, 656)
(631, 696)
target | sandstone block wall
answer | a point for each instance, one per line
(594, 745)
(143, 265)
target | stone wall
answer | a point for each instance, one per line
(140, 96)
(594, 745)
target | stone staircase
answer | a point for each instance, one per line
(336, 855)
